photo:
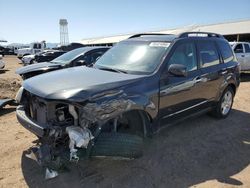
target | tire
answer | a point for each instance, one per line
(118, 145)
(220, 111)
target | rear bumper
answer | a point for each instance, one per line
(28, 123)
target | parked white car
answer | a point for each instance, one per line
(2, 64)
(28, 59)
(242, 52)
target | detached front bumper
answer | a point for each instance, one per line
(28, 123)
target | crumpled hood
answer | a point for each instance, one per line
(37, 67)
(77, 83)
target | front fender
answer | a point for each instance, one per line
(104, 107)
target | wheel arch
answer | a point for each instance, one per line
(233, 86)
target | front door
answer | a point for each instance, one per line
(240, 55)
(181, 95)
(246, 63)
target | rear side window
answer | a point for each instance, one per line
(208, 54)
(226, 51)
(185, 55)
(247, 48)
(238, 48)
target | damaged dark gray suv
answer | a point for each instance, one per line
(138, 86)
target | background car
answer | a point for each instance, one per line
(2, 50)
(48, 56)
(2, 64)
(45, 56)
(242, 52)
(80, 56)
(28, 59)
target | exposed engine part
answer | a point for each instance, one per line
(60, 114)
(73, 112)
(79, 138)
(49, 174)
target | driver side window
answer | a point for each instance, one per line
(185, 54)
(238, 49)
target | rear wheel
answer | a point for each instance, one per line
(224, 106)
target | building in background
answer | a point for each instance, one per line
(232, 31)
(64, 35)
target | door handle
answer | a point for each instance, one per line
(242, 55)
(200, 79)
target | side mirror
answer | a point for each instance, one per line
(178, 70)
(80, 62)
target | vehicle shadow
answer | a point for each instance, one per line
(3, 71)
(245, 77)
(187, 154)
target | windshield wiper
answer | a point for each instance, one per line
(113, 69)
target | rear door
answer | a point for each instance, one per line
(211, 69)
(180, 95)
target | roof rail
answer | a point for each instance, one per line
(146, 34)
(199, 34)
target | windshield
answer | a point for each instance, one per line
(133, 57)
(69, 56)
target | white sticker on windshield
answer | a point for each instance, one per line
(159, 44)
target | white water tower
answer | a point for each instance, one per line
(64, 35)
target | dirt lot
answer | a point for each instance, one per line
(202, 152)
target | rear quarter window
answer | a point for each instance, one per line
(226, 51)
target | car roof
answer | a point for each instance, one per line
(238, 42)
(155, 38)
(88, 48)
(161, 37)
(85, 49)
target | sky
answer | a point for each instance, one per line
(25, 21)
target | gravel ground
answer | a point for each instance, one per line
(201, 152)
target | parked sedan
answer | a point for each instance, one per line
(48, 56)
(80, 56)
(45, 56)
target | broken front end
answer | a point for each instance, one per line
(67, 132)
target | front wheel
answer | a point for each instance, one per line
(225, 104)
(118, 145)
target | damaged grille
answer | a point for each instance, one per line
(47, 112)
